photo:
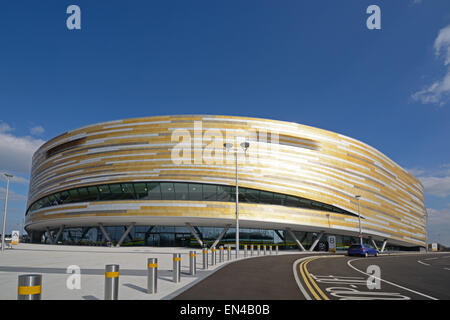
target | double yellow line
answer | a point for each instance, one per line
(317, 293)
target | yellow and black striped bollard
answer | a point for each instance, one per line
(30, 287)
(152, 275)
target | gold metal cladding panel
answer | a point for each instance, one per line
(306, 162)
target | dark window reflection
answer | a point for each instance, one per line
(177, 191)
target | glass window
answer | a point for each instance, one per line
(93, 194)
(45, 202)
(83, 192)
(116, 191)
(251, 195)
(181, 191)
(209, 192)
(223, 193)
(291, 201)
(177, 191)
(127, 191)
(154, 191)
(64, 196)
(104, 192)
(195, 191)
(304, 203)
(266, 197)
(278, 198)
(52, 200)
(74, 196)
(167, 191)
(233, 194)
(141, 190)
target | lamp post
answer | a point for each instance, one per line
(244, 146)
(8, 176)
(359, 219)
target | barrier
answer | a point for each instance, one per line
(29, 287)
(176, 267)
(205, 258)
(192, 263)
(152, 275)
(221, 254)
(111, 282)
(213, 256)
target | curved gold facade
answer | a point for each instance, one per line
(283, 158)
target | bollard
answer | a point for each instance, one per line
(192, 263)
(259, 249)
(265, 250)
(251, 250)
(229, 253)
(245, 251)
(152, 275)
(176, 267)
(270, 250)
(205, 258)
(276, 249)
(29, 287)
(221, 254)
(213, 256)
(111, 282)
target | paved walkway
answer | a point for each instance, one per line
(52, 262)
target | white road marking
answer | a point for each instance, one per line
(447, 269)
(393, 284)
(294, 269)
(425, 264)
(431, 259)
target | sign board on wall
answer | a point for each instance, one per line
(434, 246)
(332, 243)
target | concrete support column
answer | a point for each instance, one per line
(295, 239)
(221, 235)
(384, 245)
(195, 234)
(374, 243)
(104, 232)
(60, 230)
(316, 241)
(125, 234)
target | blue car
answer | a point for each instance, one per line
(364, 250)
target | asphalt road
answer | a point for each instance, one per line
(328, 277)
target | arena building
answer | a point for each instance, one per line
(169, 181)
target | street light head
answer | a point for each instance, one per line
(245, 145)
(357, 197)
(7, 175)
(227, 145)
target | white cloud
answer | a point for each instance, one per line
(439, 225)
(12, 196)
(15, 151)
(439, 91)
(15, 179)
(436, 186)
(436, 182)
(37, 131)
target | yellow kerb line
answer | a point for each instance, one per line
(29, 290)
(313, 282)
(307, 283)
(111, 274)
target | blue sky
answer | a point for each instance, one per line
(311, 62)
